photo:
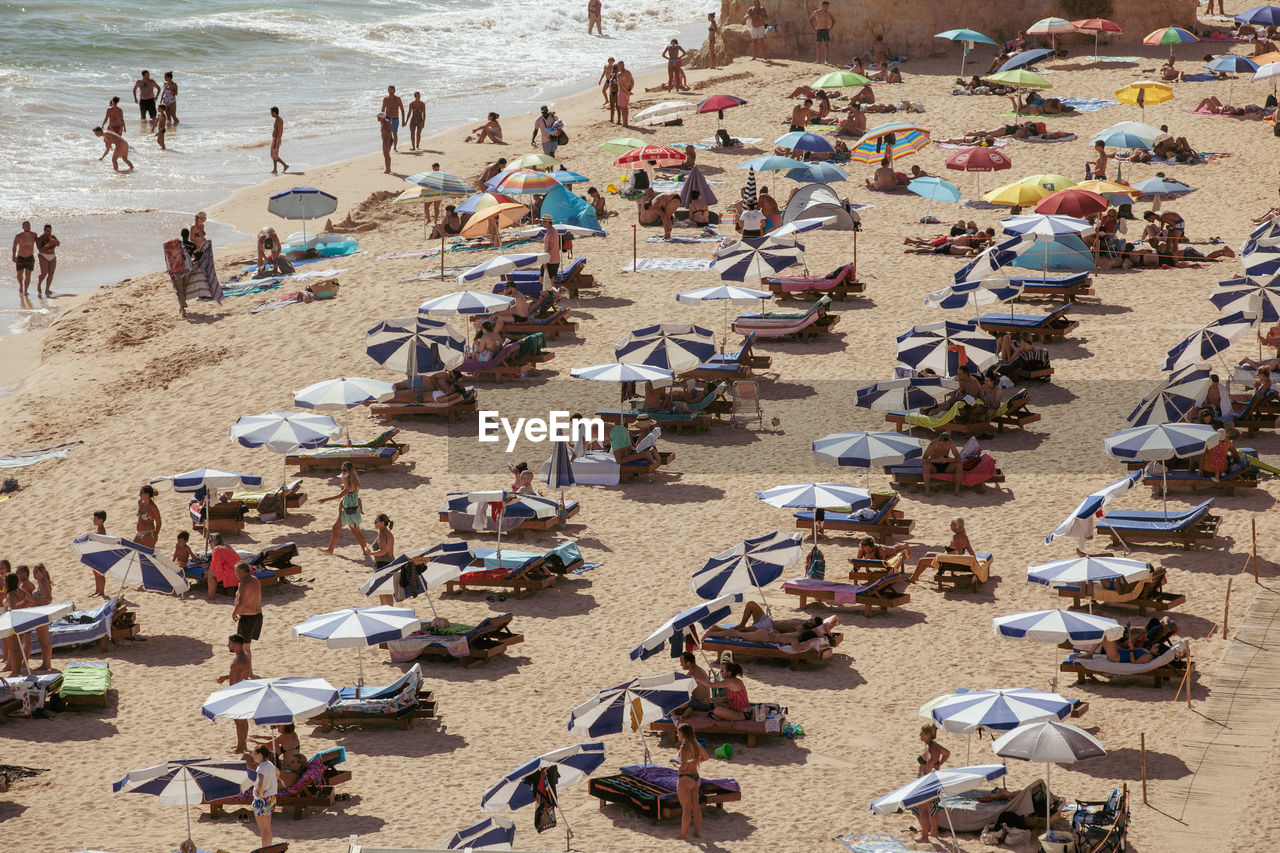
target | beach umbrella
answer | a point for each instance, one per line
(933, 785)
(492, 833)
(718, 104)
(1057, 626)
(1051, 742)
(931, 346)
(754, 259)
(1073, 202)
(1045, 226)
(630, 705)
(483, 201)
(670, 635)
(695, 181)
(1113, 192)
(998, 710)
(934, 189)
(209, 479)
(130, 563)
(1049, 182)
(564, 176)
(358, 628)
(341, 394)
(1065, 252)
(917, 392)
(498, 266)
(816, 496)
(1170, 36)
(526, 182)
(974, 294)
(270, 701)
(749, 190)
(1020, 78)
(1083, 520)
(1129, 134)
(284, 432)
(1097, 26)
(1159, 187)
(1026, 58)
(415, 346)
(419, 195)
(664, 112)
(967, 39)
(737, 574)
(771, 163)
(1051, 27)
(1017, 194)
(1264, 237)
(1261, 263)
(1232, 63)
(560, 472)
(800, 226)
(1263, 16)
(800, 140)
(27, 619)
(840, 80)
(1173, 399)
(621, 145)
(1260, 297)
(302, 203)
(730, 294)
(442, 183)
(504, 214)
(818, 173)
(1159, 442)
(537, 160)
(572, 763)
(867, 449)
(475, 302)
(659, 155)
(1209, 340)
(896, 139)
(623, 374)
(991, 260)
(780, 548)
(1267, 71)
(979, 160)
(1144, 92)
(1088, 570)
(443, 563)
(179, 782)
(678, 347)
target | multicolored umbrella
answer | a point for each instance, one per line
(1169, 36)
(483, 201)
(526, 182)
(1051, 27)
(504, 214)
(1114, 192)
(896, 139)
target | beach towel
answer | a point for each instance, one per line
(1202, 77)
(745, 140)
(86, 678)
(1041, 139)
(998, 142)
(23, 458)
(1252, 115)
(669, 264)
(818, 128)
(685, 238)
(1090, 105)
(1127, 60)
(1012, 114)
(881, 842)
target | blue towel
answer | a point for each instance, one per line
(1090, 105)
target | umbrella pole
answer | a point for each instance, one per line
(1164, 489)
(955, 842)
(186, 806)
(432, 604)
(442, 254)
(360, 659)
(1048, 797)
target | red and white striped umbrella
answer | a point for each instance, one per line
(662, 155)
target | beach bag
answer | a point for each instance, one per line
(992, 835)
(562, 138)
(816, 566)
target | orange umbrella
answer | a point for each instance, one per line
(506, 214)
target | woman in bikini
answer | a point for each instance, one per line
(148, 518)
(734, 705)
(348, 510)
(930, 759)
(688, 760)
(384, 544)
(42, 593)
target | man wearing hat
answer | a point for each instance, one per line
(550, 245)
(548, 126)
(624, 451)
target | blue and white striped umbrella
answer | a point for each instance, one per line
(670, 635)
(673, 346)
(428, 569)
(991, 260)
(26, 619)
(492, 833)
(1083, 520)
(468, 302)
(1173, 399)
(866, 449)
(415, 345)
(927, 345)
(1260, 264)
(130, 563)
(186, 781)
(620, 373)
(1057, 626)
(974, 294)
(932, 785)
(755, 258)
(816, 496)
(1000, 710)
(743, 567)
(1160, 441)
(358, 627)
(1046, 226)
(344, 393)
(209, 478)
(892, 395)
(1080, 570)
(1209, 340)
(632, 704)
(723, 293)
(284, 432)
(441, 182)
(777, 547)
(1263, 237)
(1260, 297)
(560, 473)
(500, 265)
(575, 763)
(271, 701)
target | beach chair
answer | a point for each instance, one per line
(1169, 666)
(880, 594)
(650, 791)
(315, 790)
(409, 404)
(1102, 826)
(745, 398)
(866, 571)
(1259, 413)
(294, 497)
(40, 690)
(1146, 594)
(1015, 412)
(573, 278)
(737, 364)
(85, 683)
(514, 360)
(1027, 366)
(536, 514)
(1242, 473)
(796, 325)
(1186, 529)
(766, 718)
(221, 516)
(813, 651)
(270, 566)
(520, 572)
(838, 284)
(1052, 326)
(957, 420)
(952, 571)
(693, 417)
(1067, 287)
(111, 621)
(467, 645)
(401, 702)
(882, 519)
(381, 451)
(975, 475)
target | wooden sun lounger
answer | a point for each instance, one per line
(321, 799)
(879, 594)
(839, 285)
(954, 426)
(333, 458)
(957, 570)
(1016, 414)
(911, 477)
(573, 278)
(794, 660)
(866, 571)
(888, 522)
(223, 517)
(1150, 527)
(654, 802)
(705, 724)
(555, 325)
(640, 471)
(1171, 674)
(426, 408)
(1066, 288)
(789, 325)
(528, 581)
(423, 709)
(528, 525)
(1052, 326)
(1146, 594)
(490, 639)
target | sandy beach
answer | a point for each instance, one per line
(148, 394)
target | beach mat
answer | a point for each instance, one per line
(669, 264)
(745, 140)
(685, 238)
(1090, 105)
(1068, 138)
(999, 142)
(1127, 60)
(881, 842)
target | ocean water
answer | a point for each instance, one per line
(325, 63)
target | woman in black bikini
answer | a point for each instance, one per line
(930, 760)
(384, 546)
(688, 759)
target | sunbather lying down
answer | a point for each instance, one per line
(1212, 105)
(443, 387)
(757, 626)
(1037, 104)
(1018, 131)
(1117, 654)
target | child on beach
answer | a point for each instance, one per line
(182, 551)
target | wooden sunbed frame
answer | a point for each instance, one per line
(529, 525)
(883, 597)
(911, 483)
(1146, 594)
(521, 585)
(426, 408)
(794, 659)
(492, 642)
(223, 517)
(1205, 529)
(847, 284)
(306, 462)
(1159, 676)
(424, 708)
(558, 323)
(1018, 415)
(866, 571)
(956, 427)
(670, 801)
(641, 472)
(704, 724)
(1033, 292)
(893, 523)
(321, 800)
(510, 370)
(952, 571)
(821, 323)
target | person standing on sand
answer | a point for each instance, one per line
(148, 528)
(100, 528)
(546, 127)
(247, 613)
(626, 84)
(550, 245)
(277, 136)
(349, 509)
(46, 249)
(394, 109)
(756, 19)
(115, 146)
(24, 256)
(144, 95)
(388, 138)
(1099, 165)
(114, 119)
(417, 121)
(713, 30)
(672, 55)
(606, 77)
(594, 9)
(265, 786)
(240, 670)
(822, 22)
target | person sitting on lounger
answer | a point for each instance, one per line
(624, 451)
(524, 484)
(960, 543)
(869, 550)
(449, 226)
(700, 698)
(1214, 460)
(941, 457)
(1116, 654)
(487, 342)
(519, 310)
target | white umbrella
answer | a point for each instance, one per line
(1173, 399)
(358, 628)
(916, 392)
(664, 112)
(130, 563)
(755, 258)
(816, 496)
(332, 395)
(501, 265)
(270, 701)
(1051, 742)
(974, 294)
(623, 374)
(27, 619)
(999, 710)
(1209, 340)
(1057, 626)
(728, 294)
(177, 783)
(1083, 520)
(415, 345)
(467, 302)
(492, 833)
(865, 449)
(573, 763)
(932, 785)
(431, 575)
(284, 432)
(929, 345)
(631, 704)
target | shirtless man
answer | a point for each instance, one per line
(822, 22)
(241, 670)
(769, 207)
(884, 178)
(116, 147)
(417, 120)
(247, 613)
(519, 310)
(1099, 165)
(756, 19)
(855, 125)
(801, 115)
(277, 136)
(659, 208)
(491, 170)
(598, 204)
(941, 457)
(700, 698)
(394, 108)
(594, 17)
(144, 95)
(606, 74)
(388, 141)
(46, 249)
(24, 256)
(626, 85)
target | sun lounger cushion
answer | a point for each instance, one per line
(983, 471)
(391, 699)
(86, 678)
(869, 517)
(1153, 519)
(795, 284)
(530, 286)
(453, 638)
(356, 452)
(79, 627)
(1039, 281)
(816, 644)
(665, 777)
(43, 681)
(251, 499)
(1099, 663)
(377, 441)
(844, 593)
(1025, 321)
(817, 306)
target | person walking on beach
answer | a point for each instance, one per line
(114, 119)
(348, 509)
(546, 126)
(24, 256)
(822, 22)
(240, 671)
(606, 78)
(756, 19)
(115, 146)
(247, 613)
(277, 136)
(265, 786)
(417, 121)
(169, 98)
(394, 108)
(931, 759)
(46, 251)
(594, 9)
(713, 30)
(388, 139)
(144, 95)
(626, 84)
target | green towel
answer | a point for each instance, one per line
(86, 681)
(931, 422)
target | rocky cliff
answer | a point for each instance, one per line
(908, 26)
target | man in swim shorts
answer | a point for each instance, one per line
(594, 8)
(756, 19)
(417, 120)
(822, 22)
(144, 95)
(24, 256)
(626, 85)
(394, 108)
(46, 248)
(277, 136)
